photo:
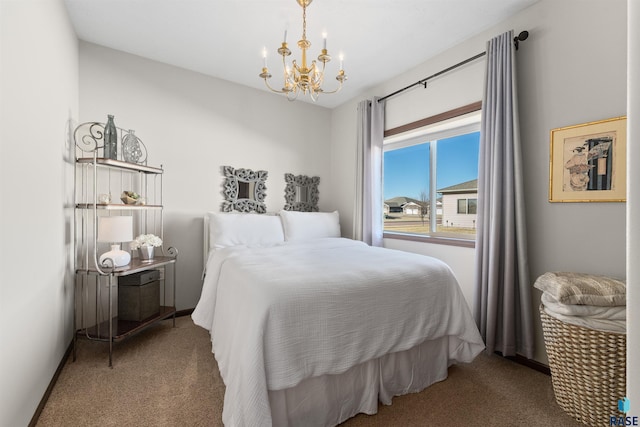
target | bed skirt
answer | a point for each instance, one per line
(328, 400)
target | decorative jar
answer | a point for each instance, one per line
(131, 147)
(146, 252)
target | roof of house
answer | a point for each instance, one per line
(464, 187)
(401, 201)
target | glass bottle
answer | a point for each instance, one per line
(110, 139)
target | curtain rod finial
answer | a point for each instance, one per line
(520, 38)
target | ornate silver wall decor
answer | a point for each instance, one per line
(244, 190)
(301, 193)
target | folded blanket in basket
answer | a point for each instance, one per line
(583, 289)
(609, 319)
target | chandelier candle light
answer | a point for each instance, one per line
(303, 77)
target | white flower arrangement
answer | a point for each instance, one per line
(146, 240)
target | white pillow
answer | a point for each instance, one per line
(310, 225)
(247, 229)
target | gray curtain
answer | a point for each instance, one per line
(503, 309)
(367, 213)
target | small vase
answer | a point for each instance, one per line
(146, 253)
(131, 147)
(110, 139)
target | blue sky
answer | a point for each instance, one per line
(406, 171)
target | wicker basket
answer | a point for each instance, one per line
(588, 369)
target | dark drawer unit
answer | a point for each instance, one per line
(139, 295)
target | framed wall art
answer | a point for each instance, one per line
(301, 193)
(588, 162)
(244, 190)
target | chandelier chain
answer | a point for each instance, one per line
(304, 22)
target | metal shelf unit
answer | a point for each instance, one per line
(94, 316)
(118, 329)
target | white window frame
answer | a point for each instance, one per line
(431, 134)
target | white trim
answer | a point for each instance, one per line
(205, 247)
(460, 125)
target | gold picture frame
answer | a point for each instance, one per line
(588, 162)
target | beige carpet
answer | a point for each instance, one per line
(168, 376)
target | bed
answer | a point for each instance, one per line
(309, 328)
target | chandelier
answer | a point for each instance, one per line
(303, 78)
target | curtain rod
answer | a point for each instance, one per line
(516, 40)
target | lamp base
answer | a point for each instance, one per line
(120, 258)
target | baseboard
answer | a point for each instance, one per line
(186, 312)
(529, 363)
(52, 383)
(56, 375)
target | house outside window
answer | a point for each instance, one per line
(459, 204)
(433, 170)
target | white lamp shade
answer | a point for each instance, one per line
(112, 229)
(115, 229)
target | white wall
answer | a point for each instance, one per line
(569, 73)
(38, 106)
(193, 125)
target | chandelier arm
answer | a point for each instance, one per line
(296, 67)
(336, 90)
(319, 74)
(285, 72)
(266, 82)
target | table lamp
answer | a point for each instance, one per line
(113, 230)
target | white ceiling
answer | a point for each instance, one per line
(225, 38)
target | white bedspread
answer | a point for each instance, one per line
(282, 314)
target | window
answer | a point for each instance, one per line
(472, 206)
(467, 206)
(431, 180)
(462, 206)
